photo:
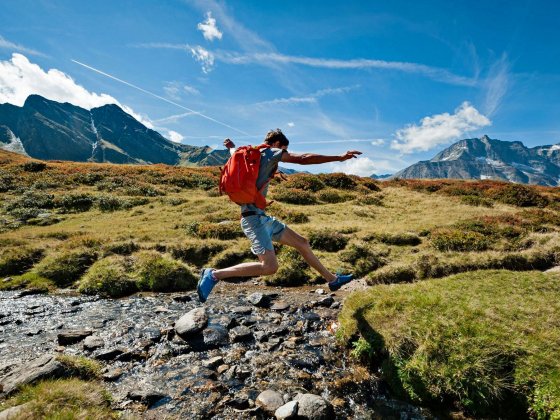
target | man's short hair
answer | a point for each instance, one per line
(276, 135)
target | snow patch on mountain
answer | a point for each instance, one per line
(14, 145)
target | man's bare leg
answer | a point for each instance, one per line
(268, 264)
(293, 239)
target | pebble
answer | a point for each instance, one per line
(72, 336)
(93, 342)
(214, 362)
(240, 334)
(270, 401)
(287, 411)
(280, 306)
(192, 322)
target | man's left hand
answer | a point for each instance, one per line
(349, 155)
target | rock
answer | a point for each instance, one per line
(313, 407)
(213, 363)
(270, 401)
(68, 337)
(222, 368)
(326, 302)
(146, 396)
(109, 354)
(280, 306)
(320, 291)
(7, 279)
(152, 334)
(182, 298)
(161, 310)
(287, 411)
(242, 310)
(335, 305)
(257, 299)
(192, 322)
(32, 291)
(14, 413)
(93, 342)
(201, 372)
(112, 375)
(44, 367)
(240, 334)
(215, 336)
(311, 316)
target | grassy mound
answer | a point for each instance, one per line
(18, 260)
(65, 267)
(111, 276)
(293, 270)
(485, 340)
(159, 273)
(63, 399)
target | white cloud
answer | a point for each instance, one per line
(363, 166)
(291, 124)
(174, 136)
(20, 78)
(378, 142)
(209, 29)
(439, 129)
(4, 43)
(204, 57)
(191, 90)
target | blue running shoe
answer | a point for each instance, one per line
(340, 280)
(205, 284)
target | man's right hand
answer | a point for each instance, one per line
(229, 144)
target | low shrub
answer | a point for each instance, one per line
(475, 200)
(392, 274)
(193, 180)
(88, 178)
(111, 276)
(326, 240)
(292, 271)
(121, 248)
(370, 184)
(333, 196)
(445, 239)
(294, 196)
(369, 200)
(30, 204)
(18, 260)
(29, 280)
(75, 202)
(519, 195)
(362, 259)
(230, 257)
(400, 239)
(34, 166)
(536, 218)
(197, 253)
(158, 273)
(338, 180)
(223, 230)
(288, 215)
(306, 182)
(108, 203)
(65, 267)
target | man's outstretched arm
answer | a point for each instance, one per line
(313, 159)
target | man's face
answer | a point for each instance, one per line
(276, 145)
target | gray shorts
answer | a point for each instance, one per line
(262, 230)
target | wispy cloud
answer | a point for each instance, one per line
(175, 89)
(497, 84)
(312, 98)
(209, 29)
(204, 57)
(435, 73)
(364, 166)
(439, 129)
(173, 118)
(5, 44)
(174, 136)
(378, 142)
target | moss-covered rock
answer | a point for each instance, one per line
(65, 267)
(111, 276)
(160, 273)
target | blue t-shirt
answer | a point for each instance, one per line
(269, 164)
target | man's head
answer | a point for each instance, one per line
(277, 139)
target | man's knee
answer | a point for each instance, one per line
(269, 267)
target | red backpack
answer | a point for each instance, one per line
(239, 176)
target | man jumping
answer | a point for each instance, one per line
(262, 229)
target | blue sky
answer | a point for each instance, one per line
(397, 80)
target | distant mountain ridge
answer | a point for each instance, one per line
(486, 158)
(51, 130)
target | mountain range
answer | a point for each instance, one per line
(51, 130)
(486, 158)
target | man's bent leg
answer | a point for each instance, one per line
(268, 264)
(291, 238)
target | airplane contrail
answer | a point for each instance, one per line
(160, 97)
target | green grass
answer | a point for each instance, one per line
(63, 399)
(485, 340)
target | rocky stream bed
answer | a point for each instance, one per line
(249, 352)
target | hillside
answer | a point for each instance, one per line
(146, 230)
(487, 158)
